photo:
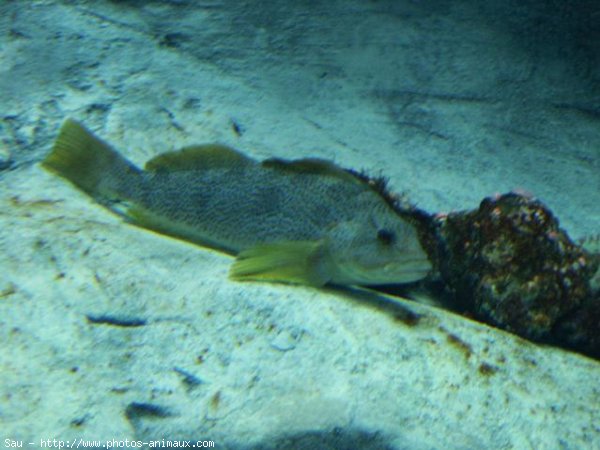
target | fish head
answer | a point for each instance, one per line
(379, 248)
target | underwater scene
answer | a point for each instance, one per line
(340, 225)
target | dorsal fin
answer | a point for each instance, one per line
(315, 166)
(207, 156)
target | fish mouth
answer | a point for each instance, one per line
(407, 270)
(394, 272)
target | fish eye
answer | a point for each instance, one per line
(385, 236)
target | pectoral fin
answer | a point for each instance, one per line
(297, 262)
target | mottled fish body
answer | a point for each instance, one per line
(306, 221)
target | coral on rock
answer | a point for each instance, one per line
(509, 264)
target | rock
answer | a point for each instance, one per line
(510, 265)
(116, 331)
(5, 157)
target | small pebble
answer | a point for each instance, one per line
(285, 341)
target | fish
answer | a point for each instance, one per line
(304, 221)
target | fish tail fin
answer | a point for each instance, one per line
(90, 163)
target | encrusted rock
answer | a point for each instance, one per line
(510, 265)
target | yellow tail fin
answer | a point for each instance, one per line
(88, 162)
